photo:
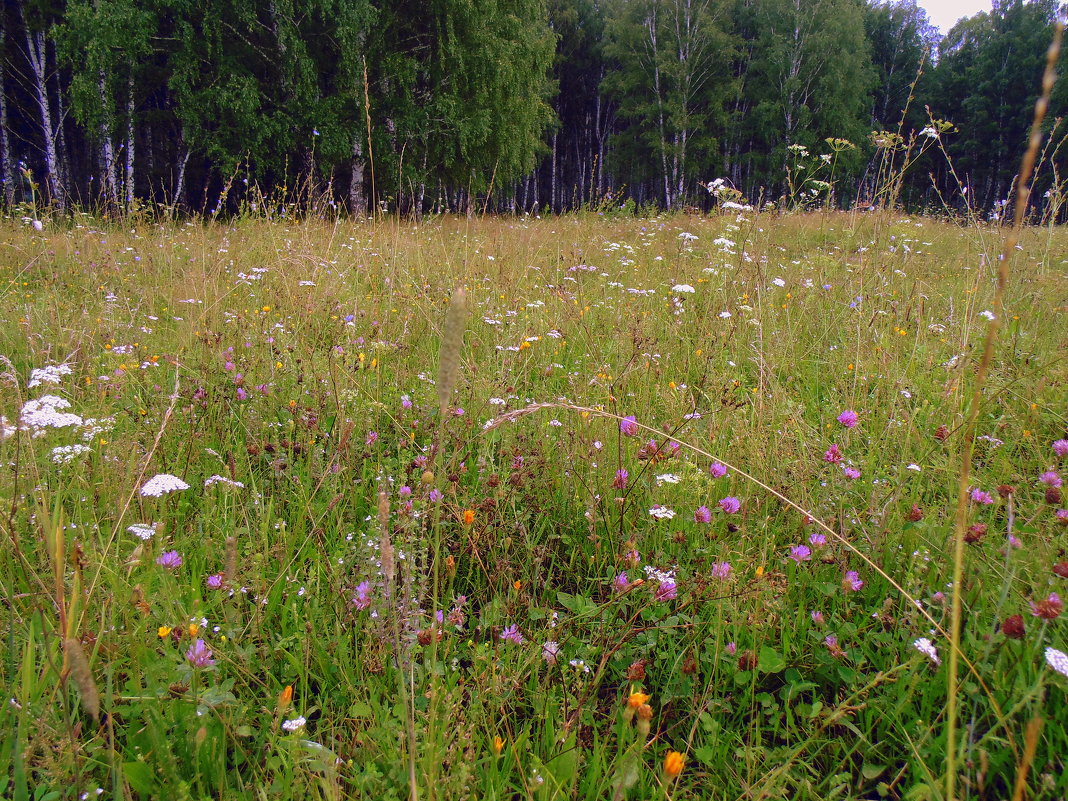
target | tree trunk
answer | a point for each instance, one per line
(35, 50)
(107, 152)
(178, 198)
(130, 145)
(552, 183)
(6, 174)
(357, 198)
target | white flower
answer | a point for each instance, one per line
(6, 429)
(50, 374)
(779, 282)
(724, 315)
(43, 413)
(686, 236)
(1058, 660)
(924, 646)
(65, 454)
(914, 467)
(662, 513)
(142, 530)
(223, 480)
(929, 132)
(38, 225)
(987, 314)
(306, 283)
(667, 478)
(161, 484)
(732, 206)
(723, 243)
(296, 724)
(683, 288)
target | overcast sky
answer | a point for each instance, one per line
(944, 13)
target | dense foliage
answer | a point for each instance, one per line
(515, 104)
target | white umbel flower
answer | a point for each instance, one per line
(296, 724)
(1058, 660)
(925, 647)
(162, 484)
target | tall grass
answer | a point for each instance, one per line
(303, 361)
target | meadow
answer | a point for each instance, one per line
(652, 507)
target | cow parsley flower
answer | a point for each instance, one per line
(142, 530)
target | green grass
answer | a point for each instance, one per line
(278, 384)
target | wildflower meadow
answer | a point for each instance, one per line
(596, 506)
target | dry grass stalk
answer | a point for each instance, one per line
(1023, 192)
(452, 340)
(78, 666)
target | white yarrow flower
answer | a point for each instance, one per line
(662, 513)
(925, 647)
(779, 282)
(50, 374)
(1058, 660)
(683, 288)
(65, 454)
(223, 480)
(162, 484)
(142, 530)
(296, 724)
(989, 315)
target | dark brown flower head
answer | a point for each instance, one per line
(747, 661)
(636, 671)
(1053, 496)
(1013, 627)
(1005, 490)
(941, 433)
(975, 532)
(1061, 569)
(1048, 608)
(915, 514)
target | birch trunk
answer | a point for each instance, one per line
(35, 51)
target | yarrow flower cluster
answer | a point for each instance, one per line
(50, 374)
(223, 480)
(295, 724)
(65, 454)
(44, 412)
(925, 647)
(1058, 660)
(142, 530)
(162, 484)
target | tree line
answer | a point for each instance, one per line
(516, 105)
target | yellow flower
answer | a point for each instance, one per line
(285, 698)
(498, 745)
(193, 629)
(517, 586)
(163, 632)
(760, 571)
(674, 762)
(469, 516)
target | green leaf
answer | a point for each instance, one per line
(139, 776)
(770, 660)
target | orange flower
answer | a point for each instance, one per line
(674, 762)
(285, 698)
(469, 516)
(498, 745)
(636, 699)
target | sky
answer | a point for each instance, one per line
(944, 13)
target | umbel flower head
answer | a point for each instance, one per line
(161, 484)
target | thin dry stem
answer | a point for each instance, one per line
(1023, 192)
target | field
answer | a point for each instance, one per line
(656, 507)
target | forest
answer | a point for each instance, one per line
(213, 106)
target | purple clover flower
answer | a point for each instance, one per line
(628, 426)
(848, 418)
(702, 515)
(199, 655)
(730, 505)
(800, 553)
